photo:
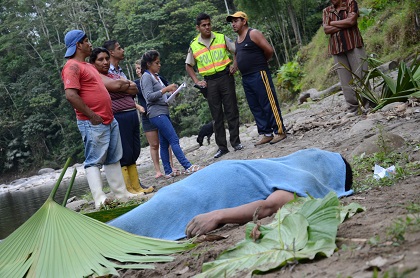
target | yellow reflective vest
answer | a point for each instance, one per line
(210, 60)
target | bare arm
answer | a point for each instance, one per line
(140, 108)
(232, 48)
(259, 39)
(234, 66)
(350, 21)
(132, 89)
(191, 73)
(76, 101)
(119, 85)
(189, 67)
(206, 222)
(328, 29)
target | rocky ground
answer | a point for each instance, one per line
(324, 125)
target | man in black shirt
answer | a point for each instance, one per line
(252, 54)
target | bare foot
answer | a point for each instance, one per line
(158, 175)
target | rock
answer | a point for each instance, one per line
(366, 127)
(378, 143)
(375, 116)
(254, 133)
(307, 94)
(71, 199)
(76, 205)
(391, 106)
(19, 181)
(45, 171)
(387, 67)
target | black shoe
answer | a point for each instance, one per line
(220, 153)
(238, 147)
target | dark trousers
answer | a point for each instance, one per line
(262, 100)
(129, 124)
(221, 97)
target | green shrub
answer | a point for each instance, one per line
(289, 76)
(366, 19)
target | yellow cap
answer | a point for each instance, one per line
(237, 15)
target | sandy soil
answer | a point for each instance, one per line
(324, 125)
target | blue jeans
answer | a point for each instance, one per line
(167, 136)
(102, 143)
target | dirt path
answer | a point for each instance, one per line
(323, 125)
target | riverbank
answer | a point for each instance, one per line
(323, 125)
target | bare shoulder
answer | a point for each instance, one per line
(255, 33)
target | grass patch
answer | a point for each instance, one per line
(400, 226)
(394, 273)
(396, 232)
(363, 166)
(317, 63)
(363, 170)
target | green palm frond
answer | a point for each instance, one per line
(57, 241)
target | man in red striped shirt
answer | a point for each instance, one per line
(345, 45)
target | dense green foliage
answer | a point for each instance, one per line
(38, 127)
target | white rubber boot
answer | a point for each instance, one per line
(116, 182)
(93, 175)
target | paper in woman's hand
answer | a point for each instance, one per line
(173, 95)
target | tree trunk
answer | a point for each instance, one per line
(295, 25)
(102, 19)
(46, 32)
(280, 30)
(286, 41)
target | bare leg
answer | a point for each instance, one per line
(153, 140)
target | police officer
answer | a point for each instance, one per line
(209, 52)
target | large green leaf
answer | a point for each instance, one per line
(350, 210)
(58, 242)
(302, 229)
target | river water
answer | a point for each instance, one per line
(18, 206)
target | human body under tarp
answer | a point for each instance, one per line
(230, 191)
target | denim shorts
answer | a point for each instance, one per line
(147, 125)
(102, 143)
